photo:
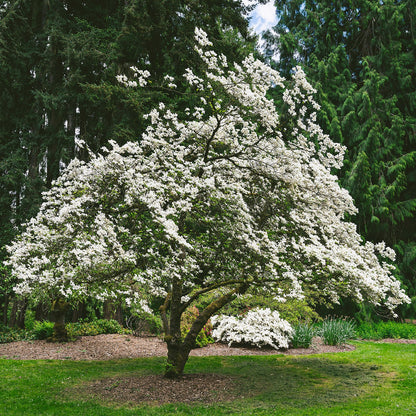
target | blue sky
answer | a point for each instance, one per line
(263, 16)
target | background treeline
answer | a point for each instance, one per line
(361, 57)
(59, 60)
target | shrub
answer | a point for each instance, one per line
(292, 310)
(205, 336)
(8, 334)
(144, 323)
(259, 327)
(96, 327)
(303, 334)
(337, 331)
(42, 329)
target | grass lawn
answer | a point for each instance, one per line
(375, 379)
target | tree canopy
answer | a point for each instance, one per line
(221, 197)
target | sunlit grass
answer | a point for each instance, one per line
(376, 379)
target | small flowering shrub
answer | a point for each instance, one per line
(303, 334)
(292, 310)
(205, 336)
(259, 327)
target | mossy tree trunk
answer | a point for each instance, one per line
(58, 312)
(178, 348)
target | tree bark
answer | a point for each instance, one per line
(41, 311)
(17, 314)
(113, 311)
(178, 354)
(22, 314)
(79, 312)
(5, 308)
(178, 349)
(58, 311)
(13, 314)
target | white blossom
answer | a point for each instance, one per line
(259, 327)
(224, 193)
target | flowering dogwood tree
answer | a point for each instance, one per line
(221, 197)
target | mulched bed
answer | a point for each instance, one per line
(114, 346)
(157, 390)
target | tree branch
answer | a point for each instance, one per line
(163, 315)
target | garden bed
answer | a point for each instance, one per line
(115, 346)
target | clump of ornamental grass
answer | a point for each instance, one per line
(259, 328)
(303, 334)
(336, 331)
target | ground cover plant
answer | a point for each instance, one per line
(44, 330)
(375, 379)
(389, 329)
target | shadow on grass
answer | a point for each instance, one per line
(261, 382)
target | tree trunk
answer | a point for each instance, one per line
(58, 311)
(17, 314)
(13, 314)
(5, 308)
(178, 349)
(80, 312)
(108, 309)
(22, 314)
(178, 354)
(41, 311)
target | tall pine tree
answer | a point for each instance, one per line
(361, 57)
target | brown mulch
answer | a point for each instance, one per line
(114, 346)
(157, 390)
(395, 341)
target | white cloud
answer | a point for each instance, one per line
(263, 17)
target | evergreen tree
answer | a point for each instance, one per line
(361, 56)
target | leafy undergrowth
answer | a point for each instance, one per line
(375, 379)
(44, 330)
(382, 330)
